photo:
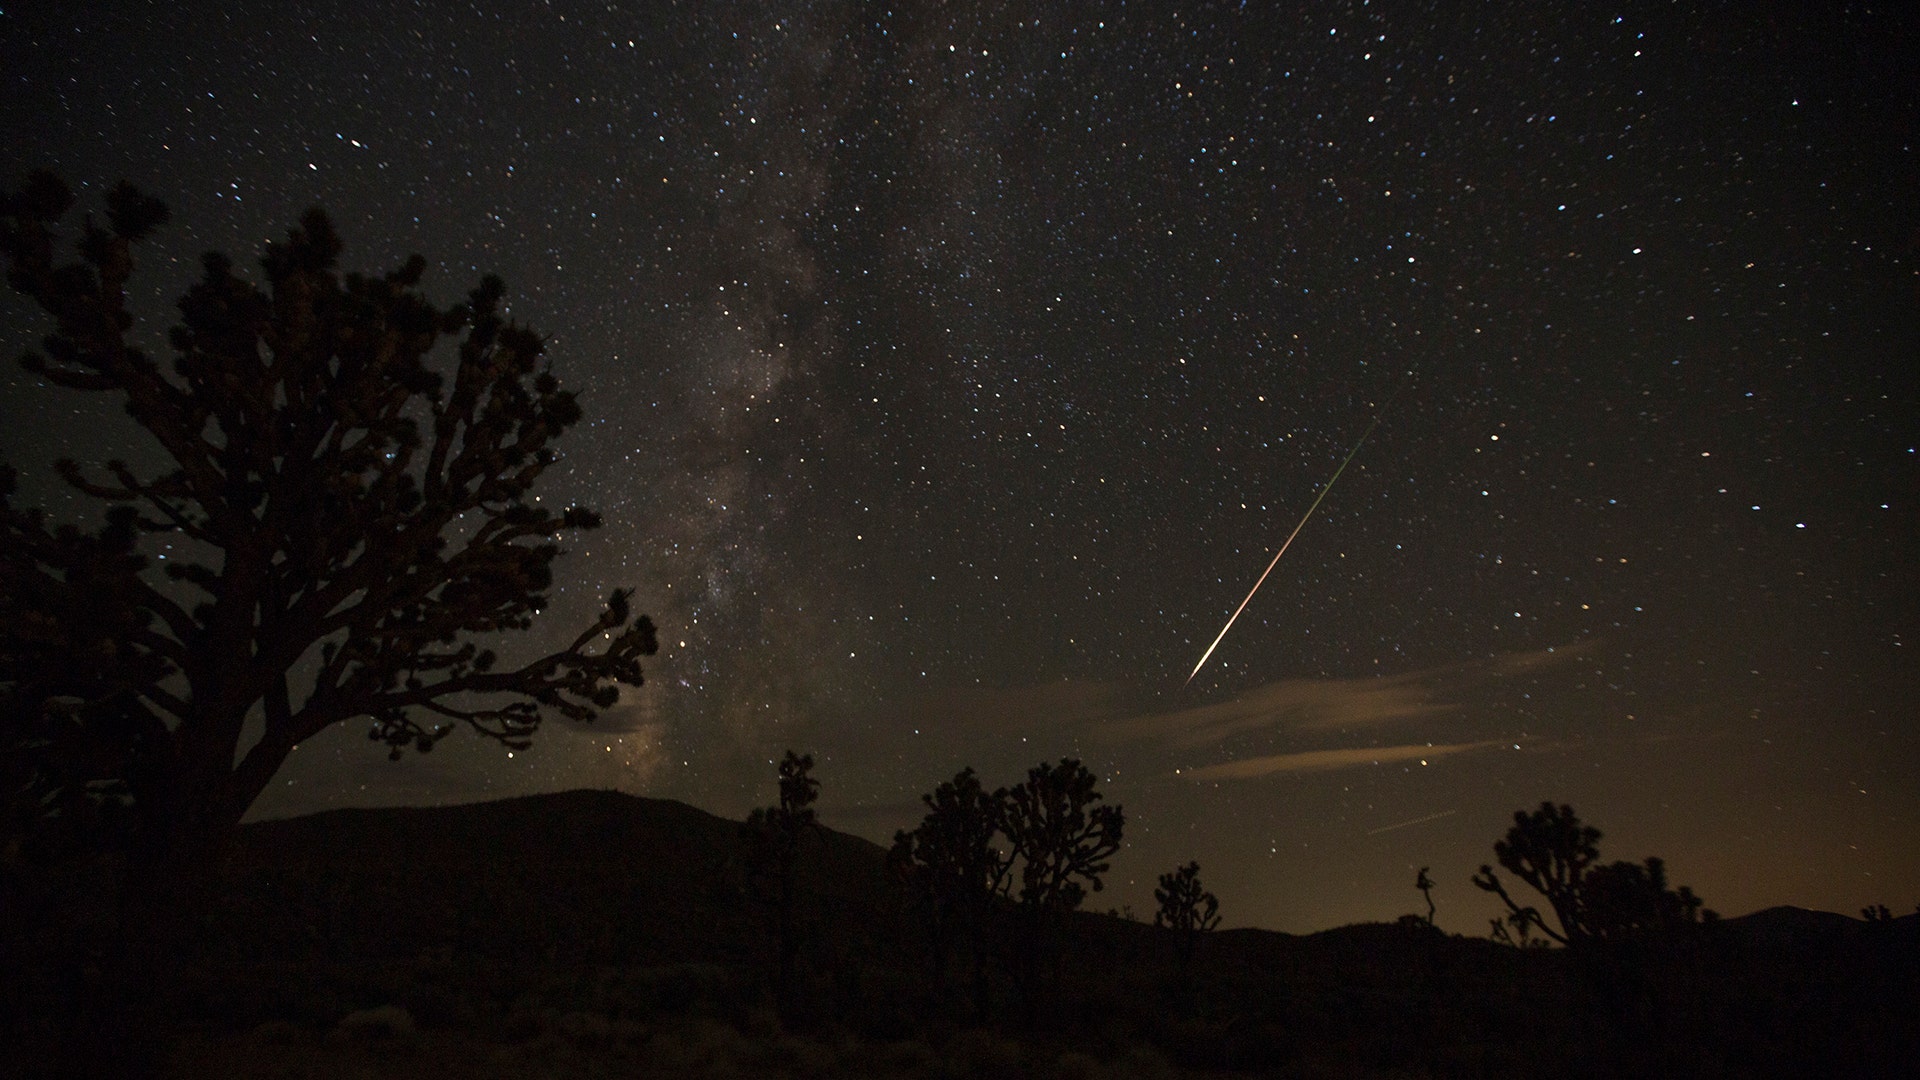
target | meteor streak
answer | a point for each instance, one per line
(1415, 821)
(1328, 486)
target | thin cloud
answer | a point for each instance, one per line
(1332, 704)
(1302, 704)
(1326, 760)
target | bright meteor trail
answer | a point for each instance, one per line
(1328, 486)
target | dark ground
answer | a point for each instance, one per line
(600, 934)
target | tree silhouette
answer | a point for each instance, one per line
(1623, 899)
(1062, 839)
(1425, 884)
(1549, 850)
(346, 498)
(774, 835)
(1189, 910)
(1185, 905)
(1060, 836)
(950, 862)
(344, 519)
(1553, 853)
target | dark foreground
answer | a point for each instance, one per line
(597, 934)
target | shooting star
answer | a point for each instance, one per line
(1415, 821)
(1328, 486)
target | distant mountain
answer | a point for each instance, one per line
(578, 875)
(1793, 924)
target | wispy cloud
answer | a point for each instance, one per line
(1109, 721)
(1297, 704)
(1318, 705)
(1325, 760)
(1321, 709)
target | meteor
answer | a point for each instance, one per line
(1328, 486)
(1415, 821)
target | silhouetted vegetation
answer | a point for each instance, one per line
(1189, 910)
(774, 836)
(331, 498)
(954, 872)
(371, 943)
(1186, 908)
(1061, 838)
(347, 501)
(637, 957)
(962, 884)
(1621, 921)
(1425, 884)
(1554, 854)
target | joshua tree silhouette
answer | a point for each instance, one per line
(1189, 910)
(774, 835)
(954, 869)
(1555, 854)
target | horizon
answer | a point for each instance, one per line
(1104, 902)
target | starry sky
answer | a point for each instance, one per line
(953, 370)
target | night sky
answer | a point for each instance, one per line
(952, 372)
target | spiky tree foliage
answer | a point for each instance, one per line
(1554, 854)
(1062, 837)
(1624, 900)
(1185, 904)
(348, 492)
(1550, 851)
(954, 869)
(774, 835)
(1188, 909)
(1425, 884)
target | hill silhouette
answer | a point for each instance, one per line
(601, 933)
(573, 876)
